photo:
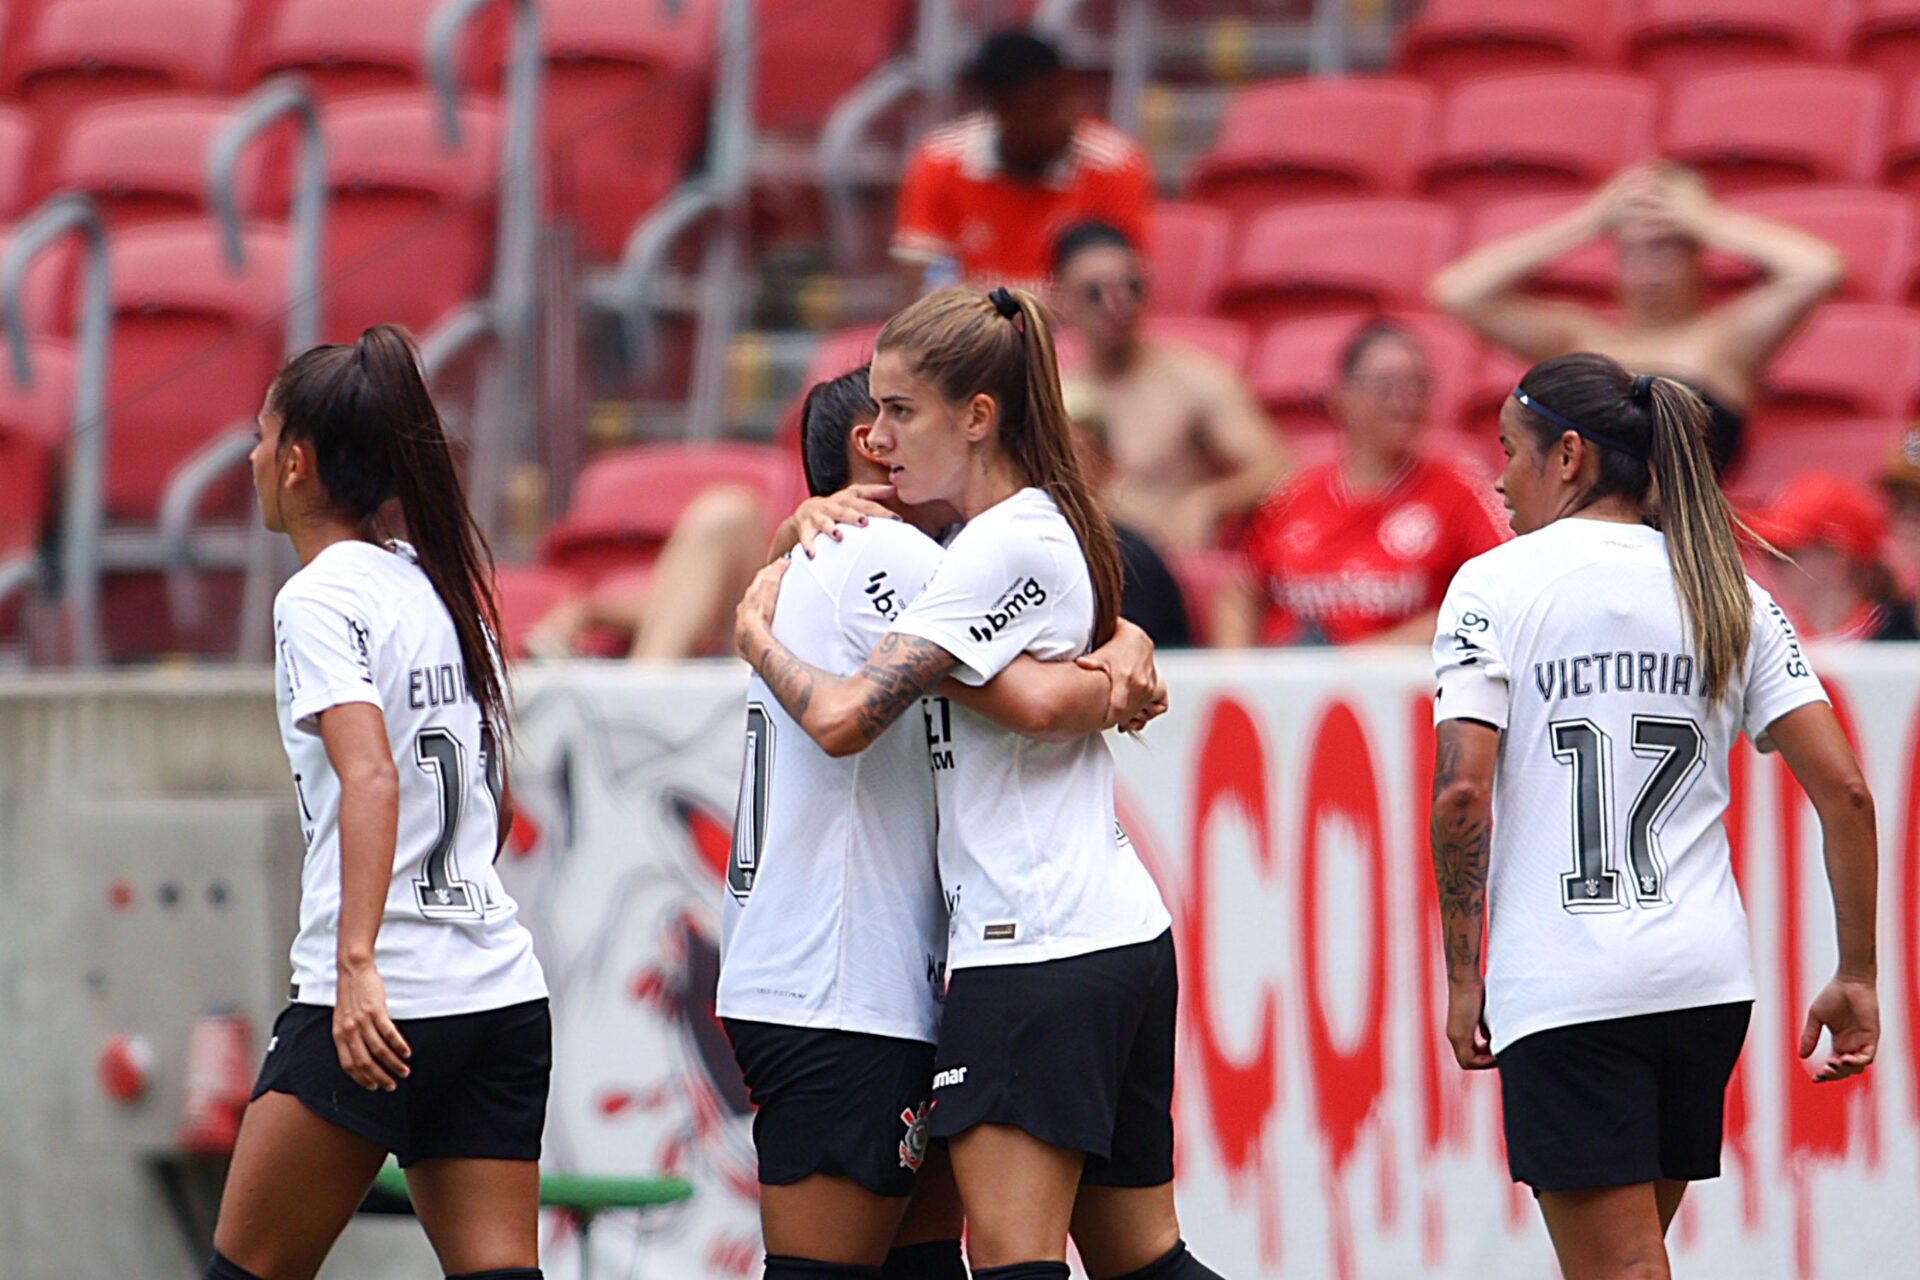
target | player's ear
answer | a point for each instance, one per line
(860, 438)
(1571, 447)
(979, 417)
(297, 464)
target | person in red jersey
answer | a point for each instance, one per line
(985, 197)
(1361, 548)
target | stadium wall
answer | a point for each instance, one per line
(1324, 1129)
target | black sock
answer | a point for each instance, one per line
(505, 1273)
(224, 1268)
(1026, 1271)
(782, 1267)
(1175, 1264)
(933, 1260)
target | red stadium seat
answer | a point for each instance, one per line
(627, 501)
(1856, 448)
(1295, 367)
(1852, 360)
(194, 346)
(16, 152)
(88, 51)
(526, 593)
(1679, 40)
(1791, 125)
(1902, 167)
(1296, 141)
(1532, 135)
(33, 428)
(1491, 382)
(1886, 37)
(1186, 254)
(410, 223)
(350, 47)
(145, 159)
(1331, 258)
(625, 107)
(1456, 40)
(837, 42)
(1588, 274)
(841, 351)
(1874, 229)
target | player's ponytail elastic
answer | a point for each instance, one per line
(1650, 433)
(1000, 344)
(377, 437)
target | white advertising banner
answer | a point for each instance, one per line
(1324, 1130)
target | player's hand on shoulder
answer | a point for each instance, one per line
(372, 1050)
(1850, 1011)
(854, 505)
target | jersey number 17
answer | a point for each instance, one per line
(1677, 748)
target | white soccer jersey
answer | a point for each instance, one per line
(362, 623)
(832, 913)
(1033, 864)
(1611, 892)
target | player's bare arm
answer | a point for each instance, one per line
(844, 714)
(1115, 686)
(1461, 834)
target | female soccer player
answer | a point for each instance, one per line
(1593, 675)
(836, 936)
(418, 1023)
(1054, 1068)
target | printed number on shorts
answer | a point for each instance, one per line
(441, 893)
(750, 814)
(1677, 748)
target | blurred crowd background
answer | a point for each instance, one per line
(1299, 250)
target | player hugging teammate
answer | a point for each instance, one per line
(1050, 1060)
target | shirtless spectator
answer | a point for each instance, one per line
(1661, 220)
(1362, 548)
(984, 196)
(1189, 445)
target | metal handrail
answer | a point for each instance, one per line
(280, 97)
(511, 309)
(87, 458)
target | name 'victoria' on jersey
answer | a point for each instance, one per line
(1587, 675)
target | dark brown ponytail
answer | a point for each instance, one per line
(377, 437)
(969, 343)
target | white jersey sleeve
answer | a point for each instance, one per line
(994, 598)
(888, 572)
(1779, 677)
(1469, 655)
(325, 637)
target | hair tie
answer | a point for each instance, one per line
(1641, 392)
(1586, 433)
(1004, 303)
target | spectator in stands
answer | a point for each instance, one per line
(1837, 585)
(1150, 596)
(1661, 220)
(1189, 445)
(1362, 548)
(984, 197)
(1900, 481)
(685, 607)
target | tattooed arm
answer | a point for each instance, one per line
(1461, 834)
(844, 714)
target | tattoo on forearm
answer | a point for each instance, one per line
(901, 669)
(1461, 843)
(790, 679)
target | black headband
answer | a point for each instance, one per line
(1585, 433)
(1004, 303)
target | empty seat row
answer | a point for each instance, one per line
(1303, 140)
(1671, 40)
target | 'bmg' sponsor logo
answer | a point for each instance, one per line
(1018, 598)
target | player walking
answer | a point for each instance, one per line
(418, 1023)
(1593, 675)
